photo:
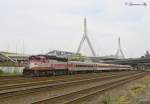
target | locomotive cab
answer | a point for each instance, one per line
(34, 63)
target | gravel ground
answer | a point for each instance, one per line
(45, 94)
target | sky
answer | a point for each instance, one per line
(39, 26)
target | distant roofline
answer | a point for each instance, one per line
(61, 51)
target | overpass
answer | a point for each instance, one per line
(12, 59)
(139, 63)
(143, 62)
(130, 61)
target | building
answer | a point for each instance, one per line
(58, 53)
(65, 54)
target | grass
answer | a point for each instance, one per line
(108, 99)
(1, 72)
(14, 73)
(132, 92)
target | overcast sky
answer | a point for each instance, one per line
(44, 25)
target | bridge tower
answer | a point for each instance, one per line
(85, 37)
(119, 50)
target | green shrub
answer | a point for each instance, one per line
(15, 72)
(107, 98)
(1, 72)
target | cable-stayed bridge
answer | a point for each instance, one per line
(119, 54)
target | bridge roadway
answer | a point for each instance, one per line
(139, 63)
(130, 61)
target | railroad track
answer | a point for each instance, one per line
(76, 97)
(12, 90)
(19, 79)
(23, 82)
(26, 91)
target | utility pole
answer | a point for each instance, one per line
(23, 48)
(16, 47)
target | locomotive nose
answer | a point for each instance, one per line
(31, 65)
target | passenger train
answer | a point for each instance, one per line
(44, 65)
